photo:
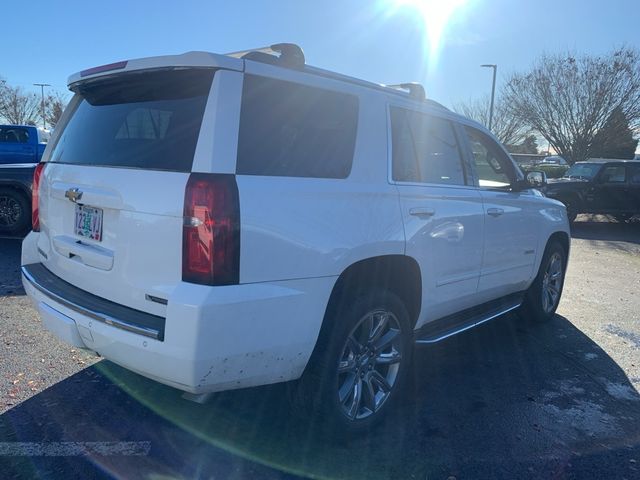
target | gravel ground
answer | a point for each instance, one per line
(602, 289)
(31, 358)
(511, 399)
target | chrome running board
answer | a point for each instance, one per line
(451, 325)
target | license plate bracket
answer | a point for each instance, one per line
(88, 222)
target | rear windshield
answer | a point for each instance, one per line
(143, 120)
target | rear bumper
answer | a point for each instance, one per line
(212, 338)
(92, 306)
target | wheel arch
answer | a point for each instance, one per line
(572, 197)
(563, 239)
(19, 187)
(399, 273)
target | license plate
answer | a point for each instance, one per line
(89, 222)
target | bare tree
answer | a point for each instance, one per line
(18, 107)
(53, 107)
(507, 127)
(568, 98)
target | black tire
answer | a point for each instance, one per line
(15, 212)
(316, 395)
(535, 305)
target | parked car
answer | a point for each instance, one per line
(22, 143)
(15, 198)
(553, 160)
(602, 186)
(249, 219)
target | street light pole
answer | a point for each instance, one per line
(493, 91)
(42, 85)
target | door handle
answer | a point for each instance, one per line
(422, 212)
(495, 212)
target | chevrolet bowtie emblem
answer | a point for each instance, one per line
(73, 194)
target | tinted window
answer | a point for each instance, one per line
(14, 135)
(583, 171)
(292, 130)
(425, 149)
(613, 174)
(493, 167)
(635, 174)
(143, 120)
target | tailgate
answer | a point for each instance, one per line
(112, 193)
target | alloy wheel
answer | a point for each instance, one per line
(10, 211)
(369, 364)
(552, 283)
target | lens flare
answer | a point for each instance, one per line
(436, 16)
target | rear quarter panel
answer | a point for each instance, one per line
(296, 227)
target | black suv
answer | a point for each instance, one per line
(599, 186)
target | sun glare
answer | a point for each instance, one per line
(436, 16)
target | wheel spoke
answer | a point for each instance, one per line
(370, 395)
(347, 365)
(357, 399)
(388, 358)
(354, 345)
(347, 387)
(385, 341)
(379, 328)
(378, 379)
(550, 301)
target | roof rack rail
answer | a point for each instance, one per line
(283, 54)
(416, 90)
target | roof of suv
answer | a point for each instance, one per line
(235, 61)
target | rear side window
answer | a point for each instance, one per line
(613, 174)
(140, 120)
(494, 168)
(424, 149)
(293, 130)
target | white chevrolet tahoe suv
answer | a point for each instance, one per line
(216, 222)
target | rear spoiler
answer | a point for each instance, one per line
(185, 60)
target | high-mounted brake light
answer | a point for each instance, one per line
(35, 197)
(211, 231)
(104, 68)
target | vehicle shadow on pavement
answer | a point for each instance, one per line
(600, 228)
(510, 399)
(10, 280)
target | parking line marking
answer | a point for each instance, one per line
(73, 449)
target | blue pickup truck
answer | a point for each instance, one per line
(22, 143)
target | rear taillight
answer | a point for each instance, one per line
(211, 231)
(35, 197)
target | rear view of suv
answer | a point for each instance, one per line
(225, 221)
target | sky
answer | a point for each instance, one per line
(385, 41)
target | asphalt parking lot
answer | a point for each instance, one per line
(511, 399)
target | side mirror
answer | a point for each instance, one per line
(536, 179)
